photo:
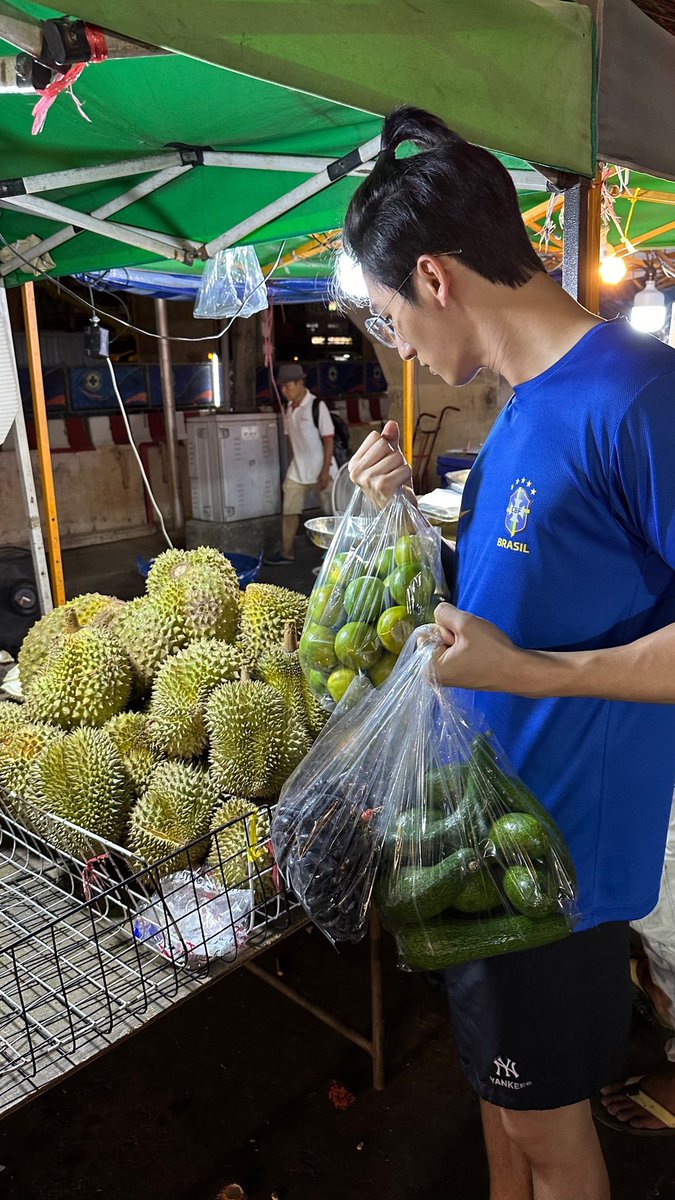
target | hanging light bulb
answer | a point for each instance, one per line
(648, 313)
(612, 268)
(350, 282)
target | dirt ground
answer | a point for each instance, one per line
(233, 1086)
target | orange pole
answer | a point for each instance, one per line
(409, 377)
(42, 435)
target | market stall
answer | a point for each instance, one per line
(153, 148)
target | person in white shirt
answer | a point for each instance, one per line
(312, 467)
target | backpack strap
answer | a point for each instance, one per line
(315, 410)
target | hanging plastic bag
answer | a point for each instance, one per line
(408, 797)
(380, 580)
(232, 285)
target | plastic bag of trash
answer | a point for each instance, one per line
(194, 918)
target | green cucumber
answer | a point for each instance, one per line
(444, 943)
(479, 894)
(423, 892)
(529, 892)
(415, 840)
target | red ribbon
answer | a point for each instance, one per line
(64, 83)
(90, 875)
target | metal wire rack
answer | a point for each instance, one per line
(95, 943)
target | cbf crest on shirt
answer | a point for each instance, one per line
(518, 512)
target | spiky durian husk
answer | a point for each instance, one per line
(297, 741)
(20, 745)
(130, 735)
(242, 845)
(281, 669)
(38, 641)
(176, 808)
(317, 715)
(148, 636)
(265, 610)
(184, 682)
(80, 777)
(201, 588)
(86, 681)
(10, 714)
(246, 723)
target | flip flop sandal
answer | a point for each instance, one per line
(645, 1003)
(633, 1091)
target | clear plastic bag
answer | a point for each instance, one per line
(194, 917)
(232, 285)
(409, 798)
(380, 579)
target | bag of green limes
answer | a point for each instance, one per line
(380, 579)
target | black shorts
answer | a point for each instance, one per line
(547, 1027)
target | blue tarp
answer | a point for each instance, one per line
(175, 285)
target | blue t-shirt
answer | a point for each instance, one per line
(568, 543)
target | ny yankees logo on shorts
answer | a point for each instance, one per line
(506, 1074)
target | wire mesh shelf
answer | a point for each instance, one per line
(94, 942)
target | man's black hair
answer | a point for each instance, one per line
(448, 195)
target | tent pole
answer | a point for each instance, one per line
(169, 402)
(409, 380)
(25, 466)
(144, 240)
(329, 175)
(581, 243)
(139, 192)
(42, 434)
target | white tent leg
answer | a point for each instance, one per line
(145, 188)
(26, 478)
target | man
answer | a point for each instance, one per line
(567, 541)
(312, 467)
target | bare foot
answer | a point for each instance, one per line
(660, 1086)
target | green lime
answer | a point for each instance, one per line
(385, 562)
(339, 681)
(394, 628)
(358, 646)
(529, 892)
(325, 606)
(317, 682)
(364, 599)
(479, 894)
(382, 669)
(411, 550)
(345, 567)
(516, 834)
(412, 586)
(317, 648)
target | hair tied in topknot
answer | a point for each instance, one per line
(406, 149)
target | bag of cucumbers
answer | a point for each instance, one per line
(379, 580)
(408, 801)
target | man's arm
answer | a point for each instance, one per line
(482, 658)
(324, 477)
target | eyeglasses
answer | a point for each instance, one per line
(383, 328)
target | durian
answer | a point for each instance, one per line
(176, 808)
(264, 612)
(10, 714)
(80, 777)
(86, 680)
(183, 684)
(240, 851)
(200, 589)
(38, 641)
(247, 724)
(148, 636)
(280, 667)
(20, 745)
(130, 736)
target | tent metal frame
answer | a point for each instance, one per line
(164, 168)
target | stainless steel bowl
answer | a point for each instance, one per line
(322, 530)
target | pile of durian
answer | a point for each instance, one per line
(153, 723)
